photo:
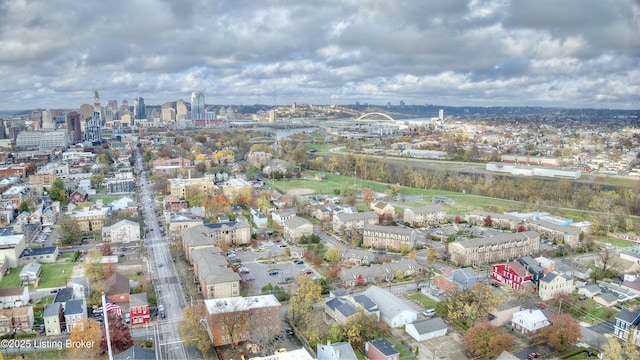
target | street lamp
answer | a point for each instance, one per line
(65, 278)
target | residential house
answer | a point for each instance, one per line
(14, 297)
(62, 296)
(74, 311)
(503, 313)
(393, 311)
(80, 286)
(499, 221)
(335, 351)
(389, 237)
(590, 290)
(174, 203)
(512, 274)
(362, 275)
(53, 318)
(356, 256)
(279, 217)
(179, 224)
(260, 220)
(551, 285)
(233, 234)
(259, 317)
(139, 309)
(123, 232)
(90, 220)
(624, 322)
(383, 209)
(529, 322)
(345, 223)
(78, 196)
(482, 251)
(19, 319)
(424, 215)
(11, 246)
(631, 283)
(381, 349)
(295, 228)
(321, 213)
(297, 252)
(465, 277)
(607, 299)
(30, 273)
(119, 288)
(535, 270)
(427, 329)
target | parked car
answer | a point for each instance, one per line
(583, 297)
(541, 306)
(273, 273)
(41, 329)
(429, 312)
(278, 338)
(298, 262)
(289, 331)
(533, 355)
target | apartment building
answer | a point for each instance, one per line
(424, 215)
(345, 222)
(389, 237)
(493, 249)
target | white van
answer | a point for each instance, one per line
(429, 312)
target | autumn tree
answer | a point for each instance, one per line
(69, 231)
(192, 329)
(484, 339)
(93, 265)
(264, 201)
(488, 222)
(367, 196)
(307, 294)
(105, 249)
(86, 331)
(362, 327)
(195, 196)
(57, 192)
(119, 332)
(563, 333)
(468, 305)
(521, 228)
(332, 255)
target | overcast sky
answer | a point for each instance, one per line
(568, 53)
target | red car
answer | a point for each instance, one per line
(533, 355)
(541, 306)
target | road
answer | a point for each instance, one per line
(161, 270)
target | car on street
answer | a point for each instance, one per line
(250, 278)
(273, 273)
(307, 271)
(429, 312)
(280, 351)
(282, 245)
(289, 331)
(161, 311)
(160, 265)
(298, 262)
(541, 306)
(533, 355)
(278, 338)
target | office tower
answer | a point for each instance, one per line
(197, 106)
(3, 130)
(97, 107)
(36, 119)
(181, 110)
(86, 110)
(74, 127)
(113, 105)
(139, 111)
(441, 114)
(47, 120)
(124, 107)
(93, 130)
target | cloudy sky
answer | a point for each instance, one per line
(569, 53)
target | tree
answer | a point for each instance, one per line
(316, 260)
(335, 334)
(86, 331)
(192, 329)
(521, 228)
(488, 222)
(119, 332)
(69, 231)
(563, 333)
(367, 196)
(236, 323)
(332, 255)
(484, 339)
(97, 180)
(93, 265)
(468, 305)
(362, 327)
(613, 349)
(105, 249)
(308, 294)
(57, 192)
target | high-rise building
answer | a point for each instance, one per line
(3, 130)
(74, 127)
(113, 105)
(441, 114)
(139, 111)
(197, 106)
(181, 110)
(47, 120)
(124, 107)
(97, 106)
(93, 130)
(86, 110)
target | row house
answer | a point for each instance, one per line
(424, 215)
(356, 256)
(9, 171)
(74, 311)
(345, 223)
(239, 319)
(389, 237)
(378, 273)
(512, 274)
(139, 313)
(16, 195)
(564, 234)
(211, 270)
(625, 322)
(489, 250)
(499, 221)
(19, 319)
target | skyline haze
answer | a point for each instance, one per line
(572, 54)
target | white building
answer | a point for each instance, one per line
(393, 311)
(427, 329)
(124, 231)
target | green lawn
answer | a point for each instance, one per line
(12, 279)
(53, 276)
(423, 300)
(588, 311)
(404, 354)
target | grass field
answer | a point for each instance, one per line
(12, 279)
(423, 300)
(53, 275)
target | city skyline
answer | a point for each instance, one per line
(573, 54)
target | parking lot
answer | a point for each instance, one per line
(270, 266)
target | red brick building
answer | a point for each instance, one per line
(139, 309)
(512, 274)
(238, 319)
